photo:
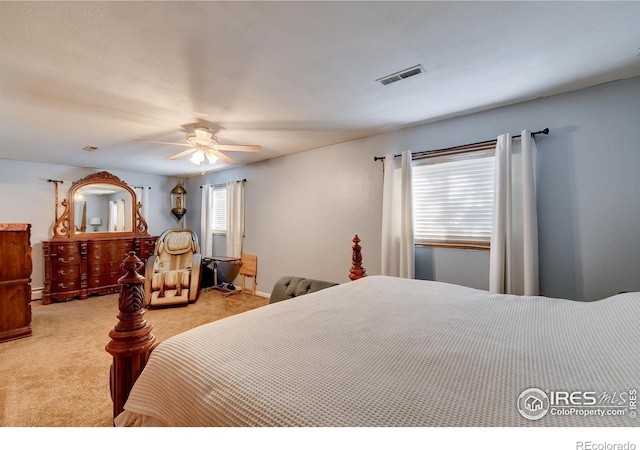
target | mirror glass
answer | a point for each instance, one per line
(102, 208)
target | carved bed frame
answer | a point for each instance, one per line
(132, 340)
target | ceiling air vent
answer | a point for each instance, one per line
(406, 73)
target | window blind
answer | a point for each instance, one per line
(453, 199)
(219, 209)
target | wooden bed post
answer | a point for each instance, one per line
(357, 271)
(131, 339)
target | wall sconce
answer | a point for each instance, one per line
(178, 201)
(95, 222)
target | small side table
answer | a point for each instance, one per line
(215, 260)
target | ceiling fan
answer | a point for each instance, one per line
(203, 146)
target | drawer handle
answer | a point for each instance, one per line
(64, 286)
(66, 260)
(62, 272)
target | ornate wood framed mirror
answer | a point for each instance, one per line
(100, 205)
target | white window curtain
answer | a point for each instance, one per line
(117, 215)
(206, 221)
(235, 218)
(514, 235)
(120, 221)
(113, 215)
(397, 218)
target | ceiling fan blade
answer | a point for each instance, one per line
(224, 158)
(182, 154)
(168, 143)
(239, 148)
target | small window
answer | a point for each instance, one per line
(219, 210)
(453, 199)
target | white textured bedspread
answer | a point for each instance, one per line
(384, 351)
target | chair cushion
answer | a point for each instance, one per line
(289, 287)
(170, 297)
(170, 287)
(178, 243)
(171, 279)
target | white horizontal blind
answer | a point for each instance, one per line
(219, 210)
(453, 199)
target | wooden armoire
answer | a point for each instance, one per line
(15, 281)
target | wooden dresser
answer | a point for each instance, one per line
(79, 267)
(15, 279)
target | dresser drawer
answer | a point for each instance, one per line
(105, 257)
(96, 281)
(147, 246)
(64, 249)
(58, 261)
(66, 285)
(108, 267)
(121, 246)
(62, 271)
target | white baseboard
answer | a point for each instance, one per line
(36, 294)
(263, 294)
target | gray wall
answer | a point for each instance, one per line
(27, 197)
(303, 210)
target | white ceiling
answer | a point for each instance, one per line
(290, 76)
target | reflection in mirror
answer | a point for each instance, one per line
(103, 207)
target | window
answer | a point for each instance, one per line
(453, 199)
(219, 210)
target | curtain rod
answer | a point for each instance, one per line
(458, 147)
(224, 184)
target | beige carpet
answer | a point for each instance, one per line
(59, 377)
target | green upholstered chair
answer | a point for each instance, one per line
(289, 287)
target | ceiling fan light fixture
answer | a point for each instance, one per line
(197, 157)
(191, 139)
(203, 136)
(211, 157)
(203, 147)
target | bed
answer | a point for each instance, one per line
(389, 352)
